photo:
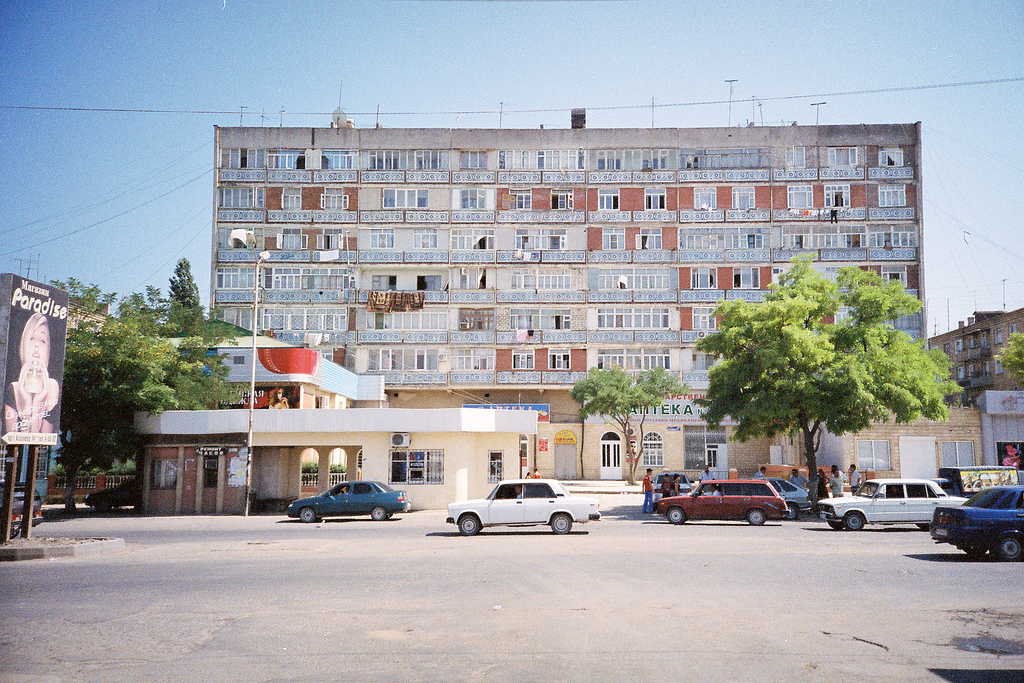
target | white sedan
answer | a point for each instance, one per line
(525, 502)
(886, 501)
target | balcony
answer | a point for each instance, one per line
(891, 173)
(701, 216)
(979, 381)
(976, 352)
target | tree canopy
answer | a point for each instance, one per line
(818, 355)
(1012, 357)
(141, 358)
(621, 398)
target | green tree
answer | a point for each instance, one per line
(784, 365)
(621, 398)
(1012, 357)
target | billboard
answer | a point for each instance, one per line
(33, 333)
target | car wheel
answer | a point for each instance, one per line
(755, 516)
(102, 507)
(792, 511)
(676, 515)
(307, 515)
(469, 525)
(853, 521)
(838, 526)
(975, 553)
(1009, 548)
(378, 514)
(923, 526)
(561, 523)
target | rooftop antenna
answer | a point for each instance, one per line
(241, 111)
(652, 112)
(730, 81)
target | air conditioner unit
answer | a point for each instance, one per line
(442, 356)
(464, 325)
(400, 440)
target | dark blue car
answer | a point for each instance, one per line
(373, 498)
(991, 521)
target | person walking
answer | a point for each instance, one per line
(854, 478)
(648, 493)
(836, 482)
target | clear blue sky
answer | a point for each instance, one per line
(116, 198)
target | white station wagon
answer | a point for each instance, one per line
(886, 501)
(525, 502)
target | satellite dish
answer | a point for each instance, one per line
(339, 118)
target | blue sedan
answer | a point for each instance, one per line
(372, 498)
(991, 521)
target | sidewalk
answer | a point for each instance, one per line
(601, 486)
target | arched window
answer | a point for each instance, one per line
(654, 451)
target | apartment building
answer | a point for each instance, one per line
(974, 348)
(494, 266)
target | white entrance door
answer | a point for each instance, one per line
(917, 457)
(611, 456)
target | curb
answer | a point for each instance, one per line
(95, 546)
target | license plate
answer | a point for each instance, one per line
(941, 532)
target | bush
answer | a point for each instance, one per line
(310, 467)
(337, 469)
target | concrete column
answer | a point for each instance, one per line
(323, 481)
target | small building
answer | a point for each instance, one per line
(974, 348)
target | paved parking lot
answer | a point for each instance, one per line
(627, 598)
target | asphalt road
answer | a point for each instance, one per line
(628, 598)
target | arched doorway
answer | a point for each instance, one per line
(611, 456)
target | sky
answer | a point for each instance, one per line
(112, 105)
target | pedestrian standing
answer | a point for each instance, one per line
(855, 478)
(705, 475)
(822, 485)
(648, 493)
(798, 478)
(836, 481)
(675, 485)
(761, 473)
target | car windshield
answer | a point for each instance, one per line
(988, 498)
(867, 490)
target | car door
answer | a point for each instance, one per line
(335, 501)
(507, 505)
(888, 505)
(734, 500)
(920, 505)
(362, 500)
(538, 503)
(706, 503)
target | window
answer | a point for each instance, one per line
(705, 199)
(429, 159)
(234, 278)
(411, 320)
(654, 451)
(957, 453)
(700, 447)
(522, 360)
(405, 199)
(654, 198)
(243, 158)
(898, 273)
(164, 473)
(210, 471)
(746, 278)
(632, 319)
(473, 159)
(429, 283)
(892, 195)
(649, 238)
(544, 280)
(613, 239)
(520, 199)
(744, 240)
(284, 278)
(473, 359)
(703, 318)
(608, 200)
(726, 158)
(893, 236)
(703, 278)
(424, 238)
(382, 238)
(800, 196)
(383, 283)
(633, 360)
(540, 238)
(476, 318)
(292, 239)
(291, 199)
(842, 156)
(633, 278)
(561, 199)
(890, 156)
(873, 455)
(743, 198)
(495, 464)
(404, 359)
(240, 197)
(657, 159)
(334, 198)
(285, 158)
(702, 240)
(472, 199)
(335, 159)
(837, 196)
(544, 319)
(559, 159)
(417, 467)
(999, 335)
(558, 359)
(796, 157)
(465, 239)
(702, 362)
(386, 159)
(613, 159)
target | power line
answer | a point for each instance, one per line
(873, 91)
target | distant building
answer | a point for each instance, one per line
(494, 267)
(973, 349)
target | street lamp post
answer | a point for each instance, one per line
(246, 238)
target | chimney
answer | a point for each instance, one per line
(579, 118)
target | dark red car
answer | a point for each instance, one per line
(751, 499)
